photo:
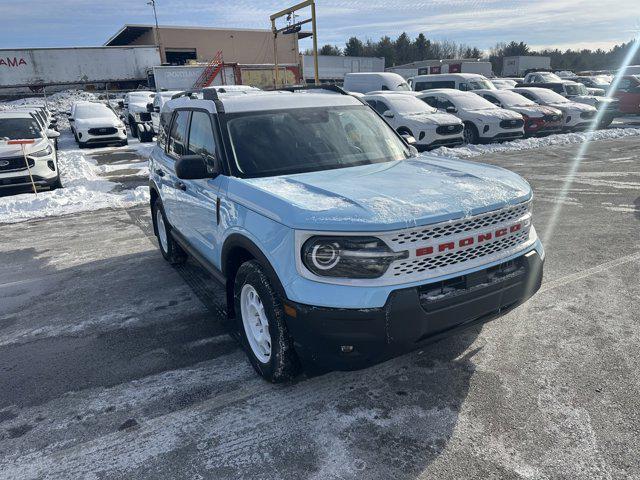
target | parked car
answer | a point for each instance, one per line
(94, 123)
(577, 116)
(598, 81)
(373, 81)
(457, 81)
(503, 83)
(338, 245)
(628, 94)
(538, 119)
(483, 121)
(541, 77)
(412, 117)
(156, 107)
(42, 157)
(137, 115)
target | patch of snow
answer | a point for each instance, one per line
(534, 142)
(84, 190)
(298, 194)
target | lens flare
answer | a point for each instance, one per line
(584, 148)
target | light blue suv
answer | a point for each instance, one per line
(337, 244)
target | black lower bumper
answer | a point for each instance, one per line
(25, 182)
(346, 339)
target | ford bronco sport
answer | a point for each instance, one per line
(338, 245)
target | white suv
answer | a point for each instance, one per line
(95, 123)
(483, 121)
(41, 163)
(413, 117)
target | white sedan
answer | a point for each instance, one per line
(483, 121)
(95, 123)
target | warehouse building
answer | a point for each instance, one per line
(180, 45)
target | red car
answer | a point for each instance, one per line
(628, 92)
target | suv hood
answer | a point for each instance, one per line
(387, 196)
(573, 106)
(493, 114)
(535, 111)
(99, 122)
(16, 150)
(432, 119)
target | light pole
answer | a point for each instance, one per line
(155, 15)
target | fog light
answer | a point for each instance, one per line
(485, 129)
(346, 348)
(79, 135)
(51, 165)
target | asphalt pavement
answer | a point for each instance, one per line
(115, 365)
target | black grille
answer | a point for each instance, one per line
(587, 115)
(14, 164)
(448, 129)
(511, 123)
(551, 118)
(103, 131)
(145, 117)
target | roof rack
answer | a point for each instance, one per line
(331, 88)
(207, 94)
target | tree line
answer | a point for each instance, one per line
(404, 49)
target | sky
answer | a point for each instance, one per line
(482, 23)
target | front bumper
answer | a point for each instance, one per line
(346, 339)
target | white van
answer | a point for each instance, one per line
(457, 81)
(375, 81)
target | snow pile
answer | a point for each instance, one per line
(58, 102)
(530, 143)
(83, 191)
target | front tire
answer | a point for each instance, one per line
(169, 248)
(263, 330)
(134, 128)
(470, 134)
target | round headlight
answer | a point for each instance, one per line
(348, 257)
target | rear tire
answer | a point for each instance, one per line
(134, 128)
(169, 248)
(470, 134)
(145, 137)
(263, 330)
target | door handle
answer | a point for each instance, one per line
(180, 186)
(159, 172)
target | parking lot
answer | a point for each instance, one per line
(117, 365)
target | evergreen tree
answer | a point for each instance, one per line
(354, 48)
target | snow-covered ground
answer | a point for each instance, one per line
(84, 188)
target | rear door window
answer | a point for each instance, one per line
(178, 137)
(201, 139)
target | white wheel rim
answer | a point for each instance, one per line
(255, 322)
(162, 231)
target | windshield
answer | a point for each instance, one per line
(480, 84)
(471, 101)
(310, 139)
(408, 105)
(549, 96)
(577, 89)
(549, 77)
(19, 128)
(93, 111)
(141, 97)
(513, 99)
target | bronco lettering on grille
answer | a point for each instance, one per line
(469, 241)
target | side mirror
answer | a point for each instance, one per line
(156, 109)
(150, 107)
(408, 138)
(388, 114)
(52, 134)
(451, 110)
(195, 167)
(121, 117)
(121, 103)
(414, 151)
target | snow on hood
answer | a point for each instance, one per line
(433, 119)
(493, 113)
(387, 196)
(16, 150)
(535, 111)
(98, 122)
(574, 106)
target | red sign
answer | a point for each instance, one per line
(435, 69)
(20, 142)
(455, 68)
(12, 62)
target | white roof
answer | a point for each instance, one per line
(279, 100)
(15, 114)
(444, 76)
(451, 92)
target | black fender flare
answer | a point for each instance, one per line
(237, 240)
